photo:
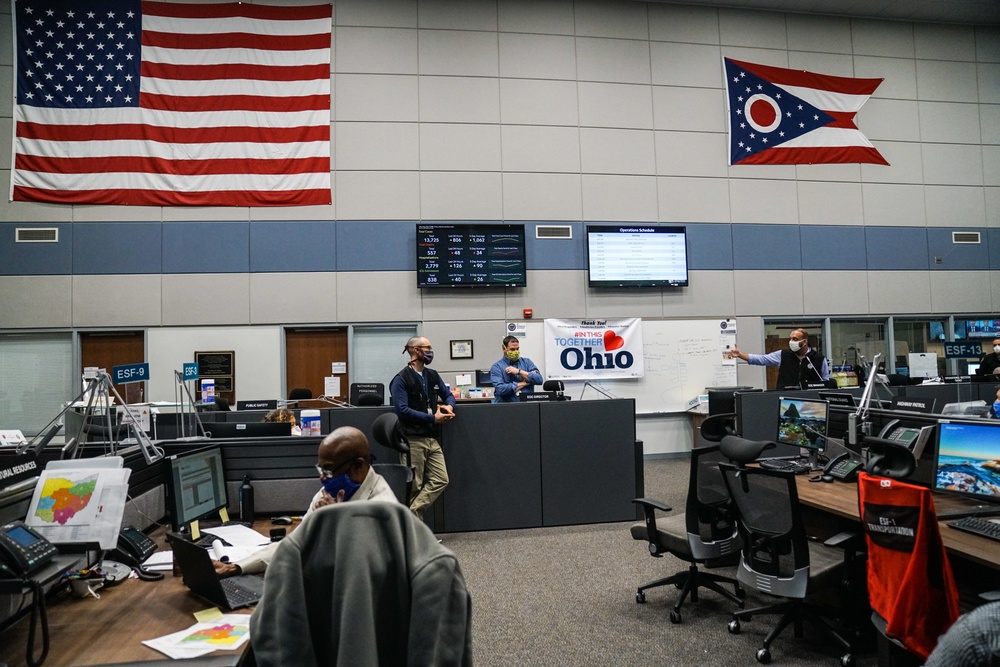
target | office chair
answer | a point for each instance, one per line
(776, 557)
(300, 394)
(705, 534)
(911, 587)
(399, 476)
(363, 583)
(370, 399)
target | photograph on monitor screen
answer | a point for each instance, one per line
(802, 422)
(967, 461)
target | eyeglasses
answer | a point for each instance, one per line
(424, 347)
(327, 473)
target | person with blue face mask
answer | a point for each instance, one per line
(343, 464)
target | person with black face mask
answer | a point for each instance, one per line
(423, 403)
(990, 364)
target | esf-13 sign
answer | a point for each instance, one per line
(963, 349)
(593, 349)
(129, 373)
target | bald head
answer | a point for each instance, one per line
(345, 450)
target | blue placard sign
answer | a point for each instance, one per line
(963, 349)
(191, 371)
(130, 373)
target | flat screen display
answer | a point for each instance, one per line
(637, 256)
(802, 422)
(197, 485)
(968, 460)
(982, 328)
(471, 255)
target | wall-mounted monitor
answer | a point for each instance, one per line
(471, 255)
(982, 328)
(635, 255)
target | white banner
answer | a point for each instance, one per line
(593, 349)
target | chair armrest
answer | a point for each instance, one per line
(651, 503)
(845, 540)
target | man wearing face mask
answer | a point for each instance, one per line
(344, 466)
(513, 373)
(796, 364)
(423, 403)
(990, 364)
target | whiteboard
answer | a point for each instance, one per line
(682, 358)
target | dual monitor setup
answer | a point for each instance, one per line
(495, 255)
(967, 453)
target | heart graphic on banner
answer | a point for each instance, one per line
(612, 341)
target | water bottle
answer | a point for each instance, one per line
(246, 500)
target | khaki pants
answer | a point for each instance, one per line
(430, 475)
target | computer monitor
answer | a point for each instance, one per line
(722, 400)
(972, 368)
(196, 486)
(968, 460)
(483, 379)
(802, 422)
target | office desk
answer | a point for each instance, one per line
(841, 500)
(85, 631)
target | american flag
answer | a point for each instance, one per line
(786, 116)
(169, 104)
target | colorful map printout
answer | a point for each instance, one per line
(220, 636)
(64, 499)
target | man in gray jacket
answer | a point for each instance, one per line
(363, 584)
(345, 472)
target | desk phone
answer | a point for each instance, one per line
(22, 550)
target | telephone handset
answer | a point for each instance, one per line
(22, 550)
(843, 467)
(133, 547)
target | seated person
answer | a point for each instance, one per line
(990, 365)
(284, 415)
(344, 465)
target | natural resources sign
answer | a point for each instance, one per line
(593, 349)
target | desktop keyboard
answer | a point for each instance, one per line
(785, 465)
(977, 526)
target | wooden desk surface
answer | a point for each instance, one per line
(841, 499)
(87, 631)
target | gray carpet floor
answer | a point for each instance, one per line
(566, 597)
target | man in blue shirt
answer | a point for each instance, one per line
(423, 403)
(796, 364)
(513, 373)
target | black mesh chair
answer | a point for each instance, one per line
(776, 557)
(399, 476)
(300, 394)
(705, 534)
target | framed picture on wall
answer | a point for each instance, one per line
(461, 349)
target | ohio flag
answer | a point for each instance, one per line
(786, 116)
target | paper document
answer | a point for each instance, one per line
(228, 633)
(160, 561)
(238, 536)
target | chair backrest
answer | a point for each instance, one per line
(716, 427)
(775, 553)
(887, 458)
(710, 520)
(742, 451)
(369, 399)
(364, 393)
(910, 581)
(386, 432)
(300, 394)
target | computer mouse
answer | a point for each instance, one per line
(282, 520)
(827, 478)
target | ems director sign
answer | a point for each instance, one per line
(593, 349)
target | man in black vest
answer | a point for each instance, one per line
(990, 363)
(796, 364)
(422, 402)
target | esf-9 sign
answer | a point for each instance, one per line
(130, 373)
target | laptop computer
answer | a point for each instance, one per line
(199, 575)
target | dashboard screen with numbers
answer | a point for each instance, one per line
(470, 255)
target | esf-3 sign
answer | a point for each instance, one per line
(130, 373)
